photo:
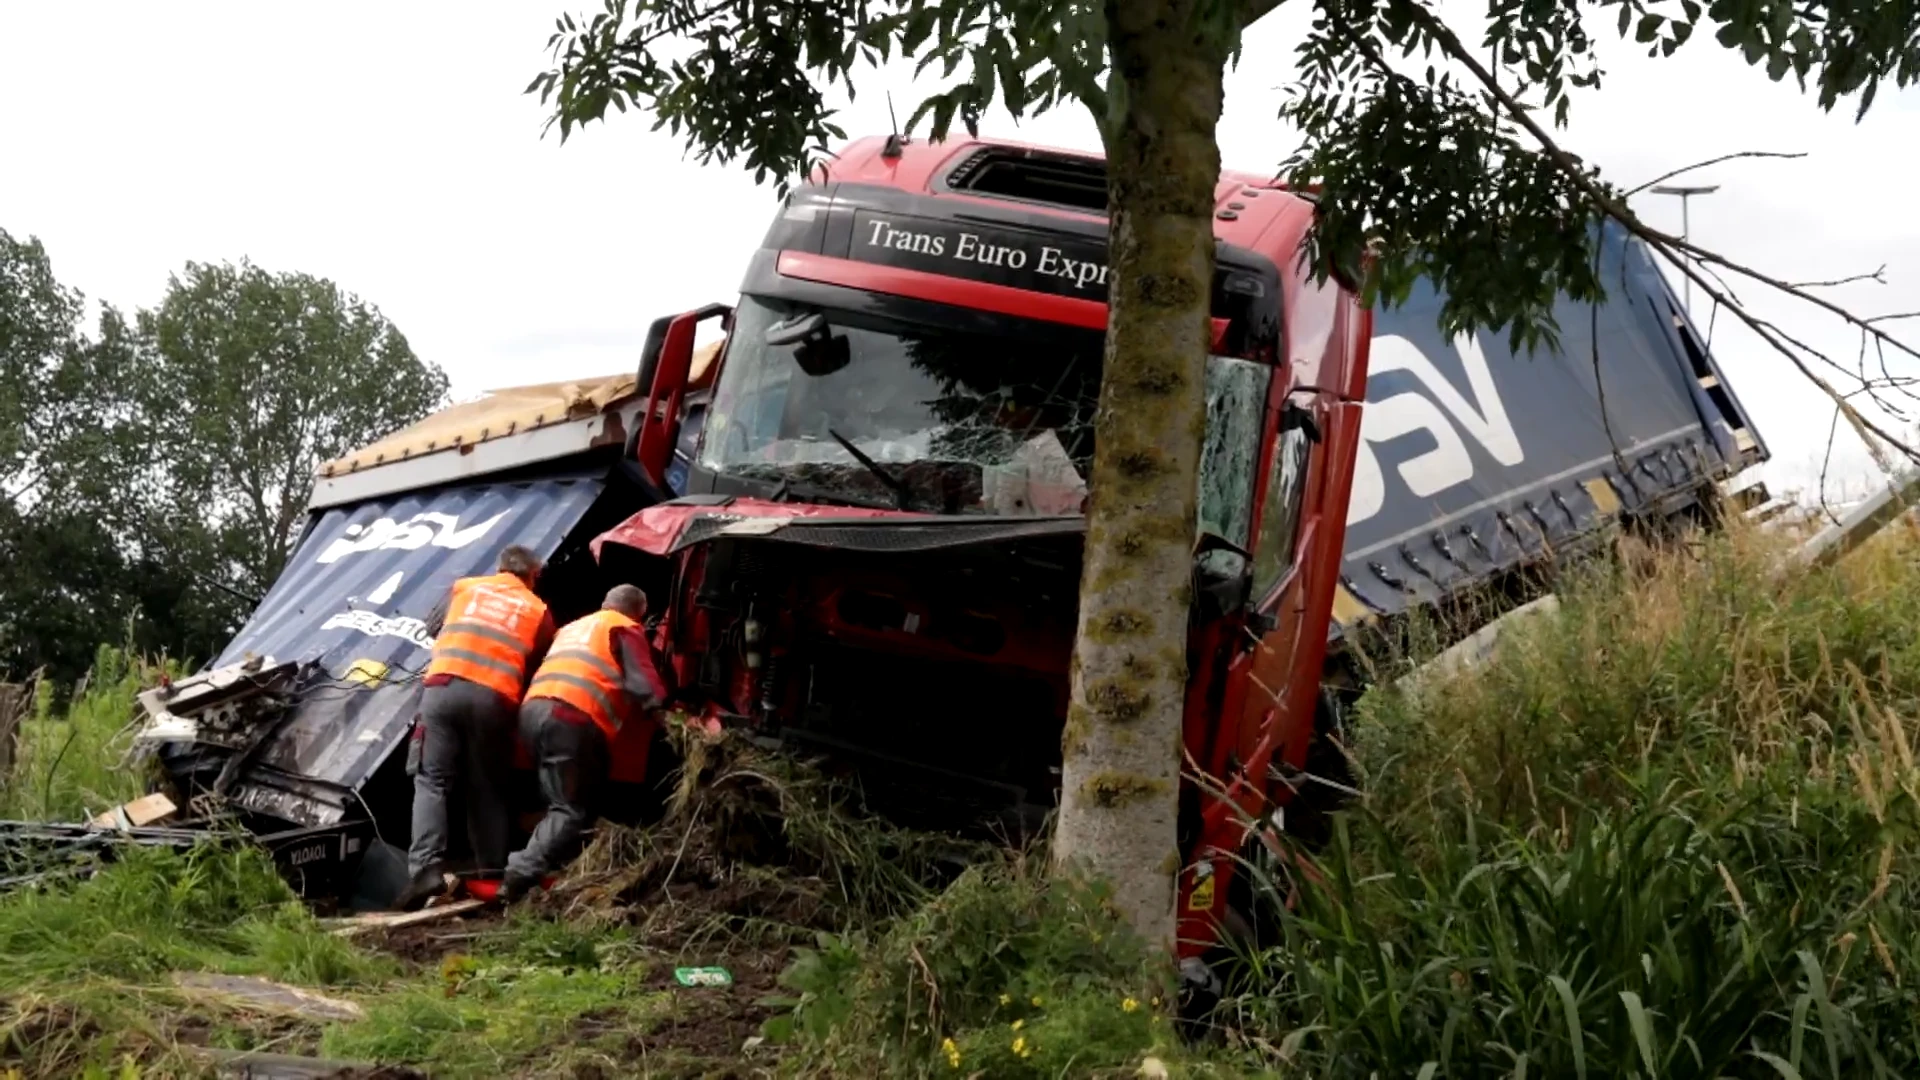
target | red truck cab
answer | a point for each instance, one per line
(875, 548)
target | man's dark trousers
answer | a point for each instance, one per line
(468, 733)
(571, 755)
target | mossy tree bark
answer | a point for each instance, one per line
(1121, 748)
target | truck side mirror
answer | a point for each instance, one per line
(1222, 574)
(665, 386)
(1293, 417)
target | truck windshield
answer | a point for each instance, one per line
(960, 422)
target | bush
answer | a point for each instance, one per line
(1675, 937)
(73, 762)
(1005, 974)
(154, 911)
(1668, 831)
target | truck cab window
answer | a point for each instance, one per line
(1230, 456)
(1280, 516)
(969, 421)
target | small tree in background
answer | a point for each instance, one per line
(1447, 175)
(157, 469)
(283, 371)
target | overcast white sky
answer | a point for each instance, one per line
(390, 147)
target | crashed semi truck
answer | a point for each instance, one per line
(859, 518)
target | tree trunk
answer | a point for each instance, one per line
(1121, 747)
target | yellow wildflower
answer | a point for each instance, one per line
(1006, 999)
(953, 1052)
(1020, 1047)
(1129, 1005)
(1017, 1025)
(1037, 1002)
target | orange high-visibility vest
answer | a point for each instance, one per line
(491, 628)
(582, 670)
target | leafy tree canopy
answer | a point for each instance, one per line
(155, 471)
(1424, 152)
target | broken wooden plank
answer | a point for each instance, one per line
(137, 814)
(249, 992)
(397, 920)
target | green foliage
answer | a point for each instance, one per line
(38, 317)
(1669, 830)
(71, 758)
(492, 1018)
(285, 370)
(1451, 187)
(1675, 937)
(1709, 662)
(1004, 971)
(1426, 165)
(152, 472)
(88, 980)
(153, 912)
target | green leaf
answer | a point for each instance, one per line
(1785, 1069)
(1832, 1027)
(1575, 1035)
(1642, 1031)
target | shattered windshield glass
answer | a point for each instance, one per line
(960, 422)
(948, 421)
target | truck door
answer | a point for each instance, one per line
(1295, 525)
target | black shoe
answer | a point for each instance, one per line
(424, 886)
(514, 888)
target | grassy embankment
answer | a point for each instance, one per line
(1667, 832)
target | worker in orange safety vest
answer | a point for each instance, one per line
(600, 678)
(490, 633)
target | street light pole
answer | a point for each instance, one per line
(1686, 193)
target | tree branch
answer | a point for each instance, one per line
(1450, 44)
(1878, 276)
(1664, 177)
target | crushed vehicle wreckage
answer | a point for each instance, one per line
(858, 514)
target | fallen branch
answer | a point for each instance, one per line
(359, 923)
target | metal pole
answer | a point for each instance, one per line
(1686, 225)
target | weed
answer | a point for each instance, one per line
(1668, 830)
(1005, 971)
(75, 761)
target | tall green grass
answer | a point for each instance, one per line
(72, 759)
(1670, 831)
(84, 978)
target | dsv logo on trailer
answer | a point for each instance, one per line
(440, 530)
(1448, 463)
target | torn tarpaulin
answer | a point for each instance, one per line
(350, 609)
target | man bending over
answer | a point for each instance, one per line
(598, 677)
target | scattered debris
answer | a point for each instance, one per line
(703, 976)
(397, 920)
(247, 991)
(141, 812)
